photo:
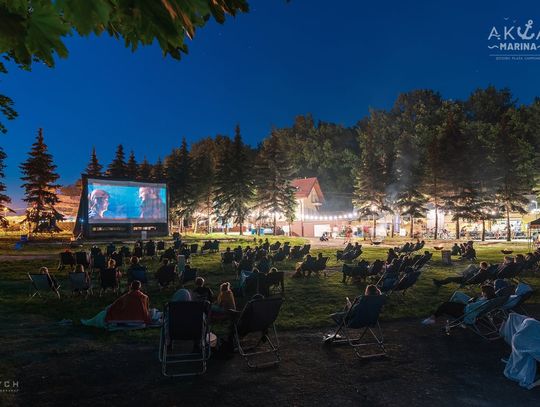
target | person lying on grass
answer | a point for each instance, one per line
(461, 304)
(369, 291)
(470, 275)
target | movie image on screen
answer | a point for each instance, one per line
(126, 202)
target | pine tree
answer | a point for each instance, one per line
(94, 167)
(132, 168)
(178, 170)
(158, 171)
(40, 186)
(117, 168)
(145, 170)
(273, 180)
(234, 183)
(4, 199)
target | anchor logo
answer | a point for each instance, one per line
(524, 35)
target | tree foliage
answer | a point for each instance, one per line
(40, 185)
(35, 31)
(118, 167)
(94, 167)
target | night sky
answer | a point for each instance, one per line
(260, 70)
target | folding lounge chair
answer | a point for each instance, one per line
(276, 279)
(138, 274)
(160, 246)
(364, 317)
(138, 251)
(66, 259)
(82, 258)
(167, 277)
(193, 248)
(39, 283)
(259, 316)
(78, 283)
(184, 337)
(406, 282)
(99, 262)
(108, 279)
(189, 274)
(484, 321)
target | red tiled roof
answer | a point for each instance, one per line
(305, 185)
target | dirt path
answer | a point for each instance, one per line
(67, 366)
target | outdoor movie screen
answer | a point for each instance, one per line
(126, 202)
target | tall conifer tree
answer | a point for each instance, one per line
(94, 167)
(39, 182)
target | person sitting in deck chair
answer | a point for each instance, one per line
(135, 265)
(369, 291)
(50, 278)
(166, 273)
(461, 304)
(470, 252)
(202, 292)
(471, 275)
(456, 250)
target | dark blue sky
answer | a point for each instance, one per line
(260, 70)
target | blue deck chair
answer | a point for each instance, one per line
(184, 338)
(258, 317)
(484, 320)
(78, 283)
(39, 283)
(363, 316)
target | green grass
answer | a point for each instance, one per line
(308, 302)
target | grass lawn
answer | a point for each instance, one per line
(308, 302)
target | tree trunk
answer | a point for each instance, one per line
(275, 225)
(241, 228)
(374, 227)
(196, 224)
(483, 230)
(436, 221)
(458, 234)
(392, 231)
(412, 227)
(508, 230)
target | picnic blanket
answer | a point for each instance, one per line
(98, 321)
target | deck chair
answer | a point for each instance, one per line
(305, 249)
(138, 251)
(276, 279)
(108, 279)
(287, 248)
(295, 253)
(167, 276)
(318, 266)
(206, 246)
(193, 248)
(422, 261)
(484, 321)
(405, 282)
(354, 272)
(150, 249)
(160, 246)
(363, 316)
(137, 274)
(189, 274)
(66, 259)
(111, 248)
(274, 247)
(99, 262)
(184, 337)
(39, 283)
(78, 283)
(83, 258)
(258, 316)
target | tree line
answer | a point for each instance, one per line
(473, 158)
